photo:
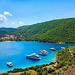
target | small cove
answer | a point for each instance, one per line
(16, 51)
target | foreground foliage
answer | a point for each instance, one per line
(66, 57)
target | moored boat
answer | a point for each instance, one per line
(62, 47)
(33, 56)
(43, 52)
(9, 64)
(53, 49)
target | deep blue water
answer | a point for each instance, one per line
(16, 52)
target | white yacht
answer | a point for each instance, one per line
(33, 56)
(53, 49)
(62, 47)
(43, 52)
(9, 64)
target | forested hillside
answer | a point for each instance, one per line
(61, 30)
(66, 56)
(4, 31)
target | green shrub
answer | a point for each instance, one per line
(21, 74)
(38, 70)
(28, 73)
(51, 63)
(45, 73)
(24, 73)
(64, 68)
(26, 69)
(35, 68)
(45, 69)
(51, 70)
(39, 73)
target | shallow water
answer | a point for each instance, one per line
(16, 52)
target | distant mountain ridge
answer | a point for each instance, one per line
(4, 30)
(61, 30)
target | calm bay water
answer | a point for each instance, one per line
(16, 52)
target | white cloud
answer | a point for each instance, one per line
(2, 18)
(7, 13)
(12, 23)
(20, 22)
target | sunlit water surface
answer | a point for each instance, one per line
(16, 52)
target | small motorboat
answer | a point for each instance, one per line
(53, 49)
(9, 64)
(62, 47)
(43, 52)
(33, 56)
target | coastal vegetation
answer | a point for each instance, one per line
(7, 34)
(55, 31)
(66, 57)
(61, 30)
(64, 65)
(4, 31)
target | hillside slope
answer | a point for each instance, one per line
(62, 30)
(4, 31)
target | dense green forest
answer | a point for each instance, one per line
(66, 56)
(61, 30)
(4, 31)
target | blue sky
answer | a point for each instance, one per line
(14, 13)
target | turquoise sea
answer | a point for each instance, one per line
(16, 52)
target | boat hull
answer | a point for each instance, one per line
(33, 58)
(9, 65)
(53, 49)
(42, 54)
